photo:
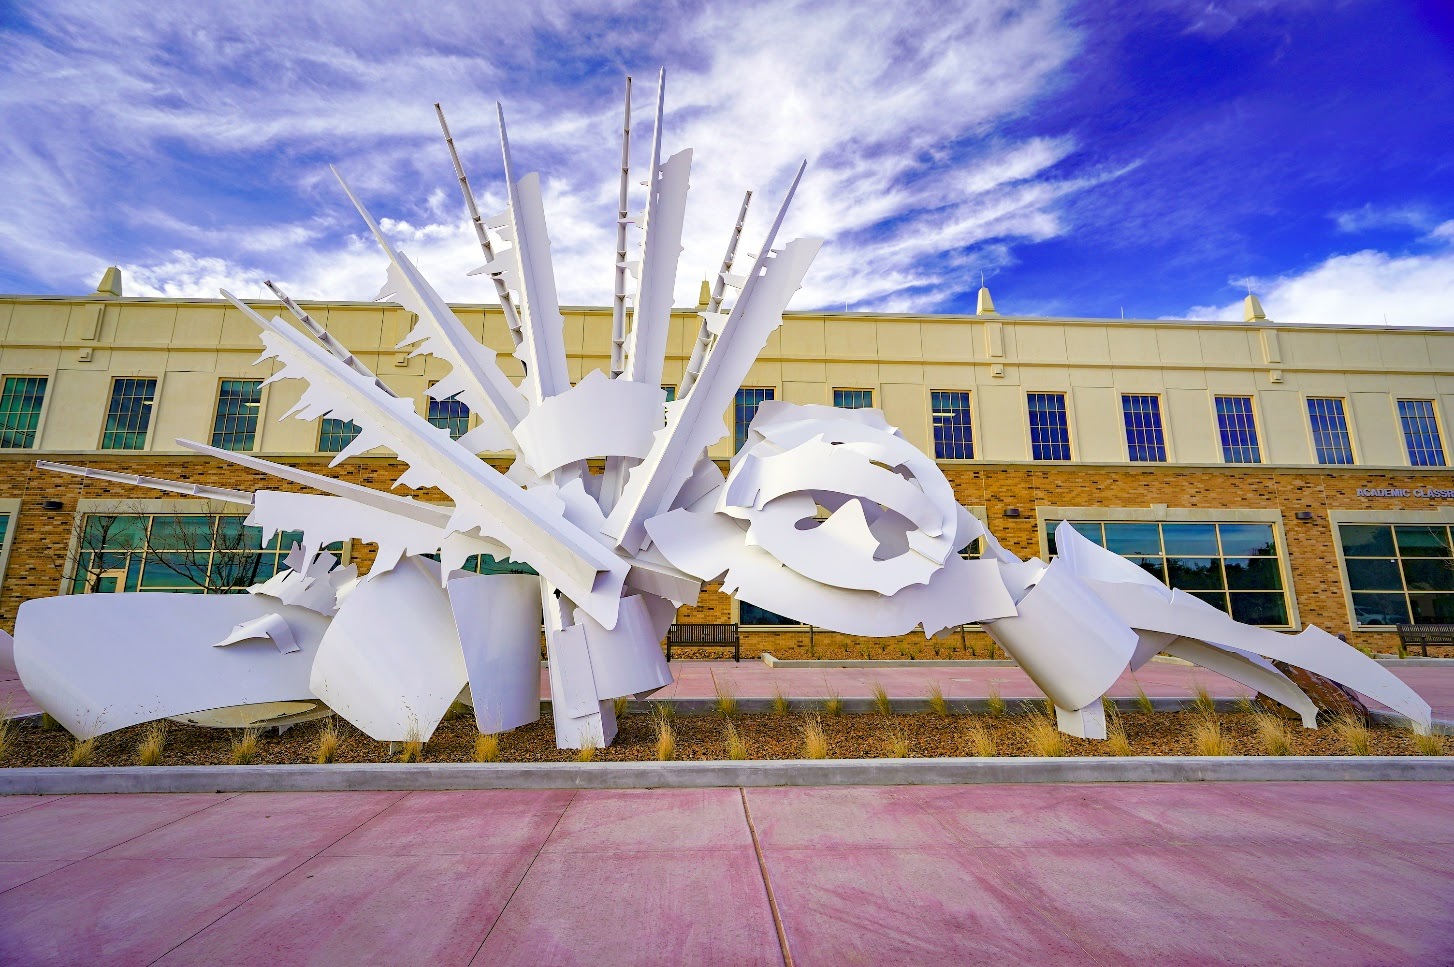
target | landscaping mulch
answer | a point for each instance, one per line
(703, 737)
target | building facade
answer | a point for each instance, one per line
(1290, 475)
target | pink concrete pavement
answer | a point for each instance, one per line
(1266, 873)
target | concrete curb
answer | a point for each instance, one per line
(1395, 661)
(771, 661)
(653, 775)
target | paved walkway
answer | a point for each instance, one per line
(1264, 873)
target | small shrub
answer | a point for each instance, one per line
(1208, 738)
(937, 704)
(736, 748)
(1116, 742)
(666, 740)
(1272, 734)
(620, 703)
(881, 700)
(245, 746)
(487, 747)
(1431, 744)
(1043, 737)
(779, 702)
(726, 700)
(587, 751)
(980, 740)
(153, 744)
(833, 704)
(330, 737)
(1354, 733)
(1202, 700)
(82, 751)
(993, 703)
(815, 742)
(896, 744)
(1143, 701)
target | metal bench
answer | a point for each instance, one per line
(1422, 636)
(704, 636)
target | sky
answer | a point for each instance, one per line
(1153, 158)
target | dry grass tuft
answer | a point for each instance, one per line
(620, 704)
(48, 722)
(937, 704)
(881, 700)
(245, 746)
(1245, 705)
(153, 744)
(1202, 700)
(330, 737)
(896, 743)
(1272, 734)
(456, 710)
(5, 727)
(1143, 701)
(736, 747)
(487, 747)
(587, 751)
(779, 702)
(993, 703)
(1431, 744)
(1108, 706)
(666, 740)
(726, 700)
(815, 742)
(980, 740)
(663, 710)
(1354, 733)
(1116, 741)
(833, 704)
(412, 748)
(1043, 737)
(82, 751)
(1208, 738)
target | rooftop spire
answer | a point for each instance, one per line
(110, 283)
(986, 305)
(1252, 309)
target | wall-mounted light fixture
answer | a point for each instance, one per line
(1012, 512)
(52, 505)
(1304, 515)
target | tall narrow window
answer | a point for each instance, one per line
(744, 408)
(1331, 442)
(235, 426)
(1238, 429)
(953, 433)
(1421, 433)
(670, 391)
(1145, 441)
(129, 414)
(853, 399)
(451, 414)
(1049, 428)
(334, 435)
(20, 404)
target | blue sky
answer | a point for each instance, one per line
(1153, 157)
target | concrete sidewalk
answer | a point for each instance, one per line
(1268, 873)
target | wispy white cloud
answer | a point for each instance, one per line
(1367, 288)
(1373, 217)
(191, 143)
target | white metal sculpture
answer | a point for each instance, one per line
(828, 516)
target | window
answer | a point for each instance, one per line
(1238, 429)
(1145, 443)
(1399, 573)
(853, 399)
(1049, 430)
(751, 614)
(451, 414)
(235, 427)
(1421, 433)
(671, 393)
(334, 435)
(744, 408)
(129, 415)
(488, 564)
(20, 404)
(195, 553)
(1236, 568)
(953, 434)
(1331, 442)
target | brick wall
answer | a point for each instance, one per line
(37, 558)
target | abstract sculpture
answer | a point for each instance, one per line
(825, 515)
